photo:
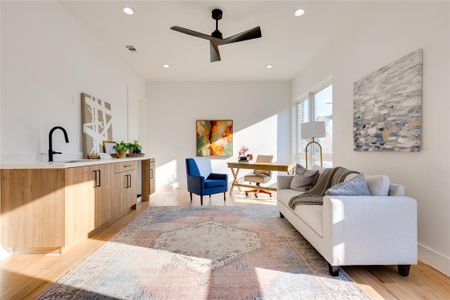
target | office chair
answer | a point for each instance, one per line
(260, 176)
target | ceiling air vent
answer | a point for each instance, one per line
(131, 48)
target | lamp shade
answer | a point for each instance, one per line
(311, 130)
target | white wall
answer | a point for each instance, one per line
(387, 33)
(260, 111)
(48, 59)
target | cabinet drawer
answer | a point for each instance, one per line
(125, 166)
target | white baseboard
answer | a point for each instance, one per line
(435, 259)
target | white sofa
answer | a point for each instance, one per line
(362, 230)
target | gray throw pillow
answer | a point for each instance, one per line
(354, 187)
(304, 179)
(299, 169)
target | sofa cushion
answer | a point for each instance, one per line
(378, 185)
(210, 183)
(397, 189)
(284, 195)
(304, 179)
(309, 214)
(354, 187)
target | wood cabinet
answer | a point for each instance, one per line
(126, 187)
(79, 203)
(152, 176)
(32, 210)
(105, 198)
(148, 178)
(46, 210)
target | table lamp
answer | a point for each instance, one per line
(313, 130)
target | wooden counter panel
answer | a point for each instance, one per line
(33, 208)
(80, 204)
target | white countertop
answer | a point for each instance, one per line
(67, 164)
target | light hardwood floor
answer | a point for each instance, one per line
(27, 276)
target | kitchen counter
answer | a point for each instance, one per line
(51, 207)
(68, 164)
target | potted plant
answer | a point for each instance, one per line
(135, 147)
(121, 149)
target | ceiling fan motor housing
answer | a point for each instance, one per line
(217, 14)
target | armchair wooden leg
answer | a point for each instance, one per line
(403, 269)
(201, 200)
(225, 196)
(209, 197)
(191, 196)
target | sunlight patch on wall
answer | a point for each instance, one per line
(166, 175)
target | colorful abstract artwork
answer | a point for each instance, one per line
(214, 137)
(387, 107)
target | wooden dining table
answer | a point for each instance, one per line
(235, 167)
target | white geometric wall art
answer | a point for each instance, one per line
(387, 107)
(96, 123)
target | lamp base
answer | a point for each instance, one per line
(320, 152)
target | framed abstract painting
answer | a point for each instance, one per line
(214, 137)
(96, 117)
(387, 106)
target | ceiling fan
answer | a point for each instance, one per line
(216, 39)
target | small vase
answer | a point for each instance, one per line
(122, 154)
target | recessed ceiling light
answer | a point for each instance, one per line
(128, 10)
(269, 66)
(299, 12)
(165, 66)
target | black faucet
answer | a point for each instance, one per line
(50, 142)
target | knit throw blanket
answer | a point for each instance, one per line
(327, 179)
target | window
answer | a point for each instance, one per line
(317, 106)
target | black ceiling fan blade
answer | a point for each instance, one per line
(250, 34)
(214, 52)
(193, 33)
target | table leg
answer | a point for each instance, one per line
(235, 179)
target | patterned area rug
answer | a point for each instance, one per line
(244, 252)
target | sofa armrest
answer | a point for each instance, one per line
(373, 230)
(284, 181)
(397, 190)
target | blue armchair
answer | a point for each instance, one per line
(201, 181)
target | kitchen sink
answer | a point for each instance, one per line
(71, 161)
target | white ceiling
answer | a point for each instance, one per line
(288, 42)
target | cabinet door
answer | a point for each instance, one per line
(132, 190)
(105, 206)
(80, 203)
(128, 194)
(152, 177)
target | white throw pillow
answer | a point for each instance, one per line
(378, 184)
